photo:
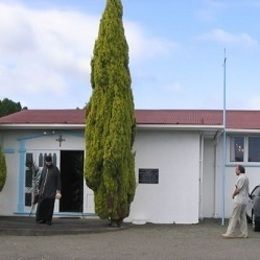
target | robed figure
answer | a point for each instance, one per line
(49, 188)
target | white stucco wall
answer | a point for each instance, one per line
(176, 198)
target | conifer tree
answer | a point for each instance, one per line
(2, 170)
(110, 121)
(7, 106)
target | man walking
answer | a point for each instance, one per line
(240, 197)
(49, 189)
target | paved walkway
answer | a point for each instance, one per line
(202, 241)
(26, 226)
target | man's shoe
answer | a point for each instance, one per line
(227, 236)
(48, 223)
(242, 236)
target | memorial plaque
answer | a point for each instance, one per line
(149, 176)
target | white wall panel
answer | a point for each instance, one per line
(176, 198)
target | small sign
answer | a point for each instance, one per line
(149, 176)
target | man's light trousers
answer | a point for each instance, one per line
(238, 218)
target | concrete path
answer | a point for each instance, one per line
(153, 242)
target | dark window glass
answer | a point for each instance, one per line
(28, 199)
(45, 155)
(237, 149)
(40, 160)
(28, 178)
(54, 159)
(29, 160)
(254, 149)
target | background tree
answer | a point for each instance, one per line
(8, 106)
(2, 170)
(110, 121)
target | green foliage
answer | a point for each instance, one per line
(110, 121)
(2, 170)
(7, 107)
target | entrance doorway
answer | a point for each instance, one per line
(71, 181)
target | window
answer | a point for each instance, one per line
(245, 149)
(254, 149)
(41, 160)
(237, 149)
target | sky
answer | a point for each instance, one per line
(176, 51)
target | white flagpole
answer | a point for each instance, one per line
(224, 153)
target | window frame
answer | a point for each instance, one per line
(246, 149)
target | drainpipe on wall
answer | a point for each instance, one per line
(215, 141)
(224, 142)
(201, 176)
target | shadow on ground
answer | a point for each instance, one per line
(26, 226)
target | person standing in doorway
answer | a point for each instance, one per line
(240, 197)
(49, 188)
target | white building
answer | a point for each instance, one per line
(179, 161)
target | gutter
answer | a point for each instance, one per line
(68, 126)
(139, 126)
(179, 126)
(232, 130)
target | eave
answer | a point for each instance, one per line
(82, 126)
(175, 127)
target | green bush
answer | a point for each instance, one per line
(2, 170)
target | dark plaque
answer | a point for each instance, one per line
(149, 176)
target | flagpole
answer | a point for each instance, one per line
(224, 153)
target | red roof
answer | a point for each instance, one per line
(66, 116)
(182, 117)
(237, 119)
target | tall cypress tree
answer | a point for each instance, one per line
(110, 121)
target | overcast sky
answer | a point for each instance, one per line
(176, 52)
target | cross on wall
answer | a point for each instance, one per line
(60, 140)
